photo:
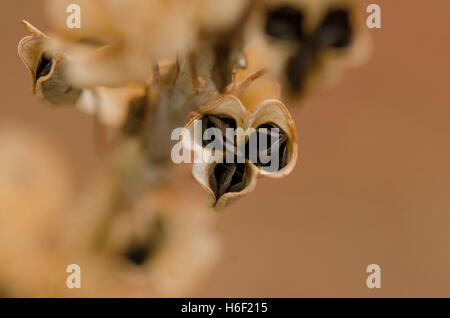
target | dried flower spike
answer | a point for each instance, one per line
(225, 182)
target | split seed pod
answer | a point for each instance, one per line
(273, 114)
(47, 69)
(228, 170)
(310, 38)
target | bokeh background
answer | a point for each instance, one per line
(371, 186)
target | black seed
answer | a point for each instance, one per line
(137, 254)
(335, 29)
(279, 145)
(285, 23)
(222, 122)
(44, 66)
(228, 177)
(140, 252)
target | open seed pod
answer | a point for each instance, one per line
(225, 182)
(269, 115)
(226, 112)
(228, 170)
(47, 69)
(309, 39)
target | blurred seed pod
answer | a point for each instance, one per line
(35, 185)
(162, 245)
(226, 181)
(306, 41)
(226, 112)
(47, 69)
(119, 41)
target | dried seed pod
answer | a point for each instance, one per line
(226, 112)
(223, 182)
(162, 245)
(269, 115)
(226, 180)
(309, 39)
(47, 69)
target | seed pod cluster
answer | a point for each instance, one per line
(229, 170)
(142, 66)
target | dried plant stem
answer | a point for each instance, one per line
(142, 161)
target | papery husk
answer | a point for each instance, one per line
(53, 88)
(231, 106)
(271, 110)
(201, 173)
(274, 111)
(228, 105)
(314, 9)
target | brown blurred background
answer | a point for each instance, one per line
(371, 186)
